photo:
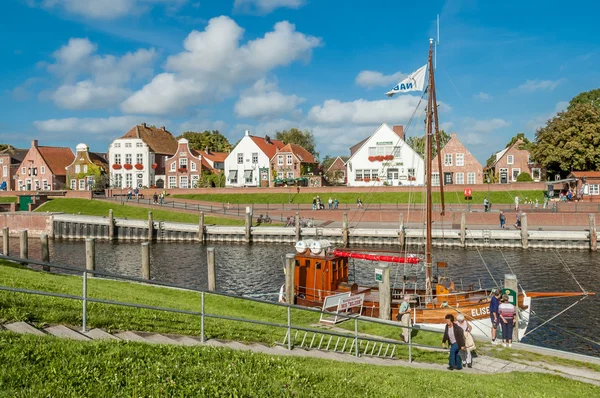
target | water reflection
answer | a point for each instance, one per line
(258, 270)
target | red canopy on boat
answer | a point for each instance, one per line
(376, 257)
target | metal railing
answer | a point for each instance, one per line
(203, 314)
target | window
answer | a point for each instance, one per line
(255, 157)
(117, 145)
(392, 174)
(73, 184)
(195, 179)
(82, 185)
(45, 185)
(510, 159)
(128, 180)
(85, 169)
(248, 176)
(77, 169)
(448, 159)
(5, 171)
(280, 174)
(448, 178)
(139, 158)
(411, 173)
(172, 182)
(515, 173)
(372, 151)
(264, 175)
(460, 159)
(290, 174)
(183, 163)
(529, 161)
(470, 178)
(23, 171)
(128, 158)
(183, 182)
(366, 174)
(359, 175)
(117, 158)
(90, 182)
(594, 189)
(118, 180)
(536, 174)
(43, 170)
(128, 145)
(34, 171)
(435, 179)
(240, 158)
(173, 166)
(139, 145)
(280, 160)
(193, 166)
(460, 178)
(1, 160)
(289, 159)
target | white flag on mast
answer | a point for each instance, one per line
(414, 82)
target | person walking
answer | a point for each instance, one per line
(335, 203)
(494, 304)
(162, 198)
(486, 205)
(516, 203)
(467, 358)
(502, 219)
(155, 198)
(136, 192)
(359, 204)
(454, 335)
(330, 203)
(508, 318)
(314, 203)
(129, 194)
(404, 318)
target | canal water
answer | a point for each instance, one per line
(257, 271)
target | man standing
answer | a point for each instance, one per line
(404, 317)
(494, 304)
(486, 205)
(455, 335)
(516, 203)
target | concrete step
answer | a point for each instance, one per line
(130, 336)
(157, 338)
(23, 328)
(188, 341)
(65, 332)
(99, 334)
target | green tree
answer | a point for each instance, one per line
(418, 143)
(591, 97)
(4, 146)
(570, 141)
(526, 145)
(305, 139)
(215, 141)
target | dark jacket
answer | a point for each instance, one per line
(459, 334)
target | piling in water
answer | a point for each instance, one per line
(146, 260)
(45, 251)
(210, 254)
(24, 248)
(90, 256)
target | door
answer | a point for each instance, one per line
(24, 202)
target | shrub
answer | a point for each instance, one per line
(524, 177)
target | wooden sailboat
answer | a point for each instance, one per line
(323, 273)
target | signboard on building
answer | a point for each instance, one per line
(378, 275)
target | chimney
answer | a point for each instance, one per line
(206, 149)
(453, 135)
(399, 130)
(34, 143)
(144, 125)
(267, 139)
(247, 133)
(163, 128)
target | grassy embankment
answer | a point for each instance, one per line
(8, 199)
(32, 366)
(273, 196)
(101, 208)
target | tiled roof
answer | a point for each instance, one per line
(57, 158)
(588, 174)
(159, 140)
(268, 149)
(16, 154)
(356, 147)
(99, 159)
(206, 165)
(214, 156)
(298, 150)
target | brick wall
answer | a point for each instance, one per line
(35, 223)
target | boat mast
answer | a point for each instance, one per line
(428, 153)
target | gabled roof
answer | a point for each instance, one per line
(503, 152)
(57, 158)
(399, 132)
(455, 137)
(269, 149)
(214, 156)
(300, 152)
(343, 164)
(16, 154)
(159, 140)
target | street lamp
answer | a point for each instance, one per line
(488, 182)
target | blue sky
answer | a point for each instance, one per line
(77, 71)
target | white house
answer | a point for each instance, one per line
(384, 158)
(248, 164)
(137, 159)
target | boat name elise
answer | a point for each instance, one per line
(480, 311)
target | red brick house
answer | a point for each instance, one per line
(336, 173)
(10, 160)
(293, 161)
(86, 170)
(513, 161)
(216, 160)
(184, 169)
(588, 180)
(44, 168)
(458, 165)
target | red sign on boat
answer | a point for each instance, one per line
(377, 257)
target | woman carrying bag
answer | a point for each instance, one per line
(465, 354)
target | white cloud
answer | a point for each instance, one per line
(88, 95)
(106, 9)
(105, 76)
(362, 111)
(531, 86)
(369, 78)
(24, 92)
(103, 126)
(481, 96)
(215, 61)
(540, 120)
(265, 6)
(264, 100)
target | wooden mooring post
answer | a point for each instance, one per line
(5, 241)
(593, 235)
(298, 229)
(524, 234)
(401, 232)
(146, 260)
(345, 234)
(150, 227)
(248, 234)
(385, 293)
(90, 256)
(45, 251)
(23, 244)
(463, 229)
(111, 225)
(212, 279)
(290, 265)
(201, 227)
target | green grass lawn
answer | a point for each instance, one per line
(273, 196)
(32, 366)
(101, 208)
(8, 199)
